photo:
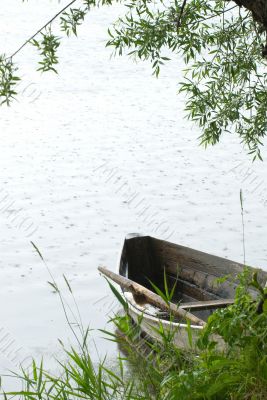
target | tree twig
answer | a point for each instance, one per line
(181, 14)
(41, 29)
(217, 15)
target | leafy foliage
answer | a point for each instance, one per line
(8, 80)
(222, 47)
(237, 371)
(225, 81)
(71, 20)
(48, 49)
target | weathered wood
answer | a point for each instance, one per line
(177, 256)
(142, 267)
(194, 265)
(189, 289)
(151, 297)
(199, 305)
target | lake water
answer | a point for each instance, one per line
(87, 156)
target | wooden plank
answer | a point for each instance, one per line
(198, 305)
(201, 269)
(150, 296)
(172, 255)
(192, 290)
(177, 255)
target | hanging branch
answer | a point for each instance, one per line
(41, 29)
(181, 14)
(219, 14)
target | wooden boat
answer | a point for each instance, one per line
(193, 273)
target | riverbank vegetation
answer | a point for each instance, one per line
(147, 370)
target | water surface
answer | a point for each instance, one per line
(87, 156)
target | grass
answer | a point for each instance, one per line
(147, 370)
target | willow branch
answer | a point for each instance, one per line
(41, 29)
(218, 14)
(181, 14)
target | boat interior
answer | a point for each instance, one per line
(193, 273)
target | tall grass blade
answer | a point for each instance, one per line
(189, 333)
(67, 283)
(118, 295)
(159, 292)
(37, 250)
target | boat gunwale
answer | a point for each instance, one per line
(135, 307)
